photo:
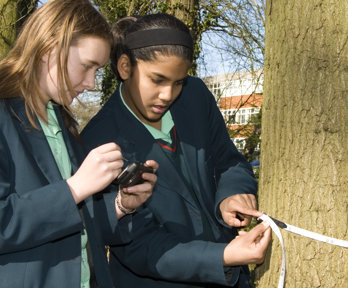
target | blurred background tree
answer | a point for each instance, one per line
(12, 15)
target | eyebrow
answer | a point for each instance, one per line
(166, 78)
(94, 63)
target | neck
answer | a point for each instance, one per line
(157, 125)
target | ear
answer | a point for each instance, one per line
(48, 55)
(45, 57)
(124, 67)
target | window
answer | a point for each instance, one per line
(244, 115)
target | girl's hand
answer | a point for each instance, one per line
(134, 196)
(238, 210)
(101, 166)
(248, 247)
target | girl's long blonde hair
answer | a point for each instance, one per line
(57, 24)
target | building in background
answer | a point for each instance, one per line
(239, 97)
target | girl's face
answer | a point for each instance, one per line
(84, 59)
(151, 87)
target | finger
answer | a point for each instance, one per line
(258, 230)
(145, 187)
(246, 211)
(152, 178)
(153, 164)
(235, 222)
(111, 146)
(266, 236)
(114, 155)
(242, 232)
(233, 219)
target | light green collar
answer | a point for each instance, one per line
(52, 127)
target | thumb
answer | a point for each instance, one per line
(249, 211)
(259, 229)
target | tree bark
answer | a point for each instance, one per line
(13, 14)
(8, 17)
(304, 159)
(188, 12)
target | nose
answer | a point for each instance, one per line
(89, 81)
(166, 93)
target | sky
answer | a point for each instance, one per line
(41, 2)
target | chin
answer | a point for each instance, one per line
(155, 118)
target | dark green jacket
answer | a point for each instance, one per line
(40, 224)
(176, 252)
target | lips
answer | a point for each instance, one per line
(159, 109)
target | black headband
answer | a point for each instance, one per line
(155, 37)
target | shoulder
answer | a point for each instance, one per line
(3, 106)
(7, 128)
(7, 107)
(105, 115)
(195, 87)
(195, 92)
(193, 82)
(105, 124)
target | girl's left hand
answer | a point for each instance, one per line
(238, 210)
(134, 196)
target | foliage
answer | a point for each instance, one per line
(108, 84)
(253, 139)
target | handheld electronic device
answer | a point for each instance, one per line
(131, 175)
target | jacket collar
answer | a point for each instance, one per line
(36, 143)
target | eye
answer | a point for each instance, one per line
(86, 66)
(180, 82)
(156, 81)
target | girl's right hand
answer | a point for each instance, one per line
(248, 247)
(101, 166)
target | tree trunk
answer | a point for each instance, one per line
(183, 8)
(188, 12)
(13, 13)
(8, 18)
(304, 150)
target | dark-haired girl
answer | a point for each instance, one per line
(186, 234)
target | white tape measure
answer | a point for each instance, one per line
(274, 223)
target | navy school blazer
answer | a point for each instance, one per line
(169, 247)
(40, 224)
